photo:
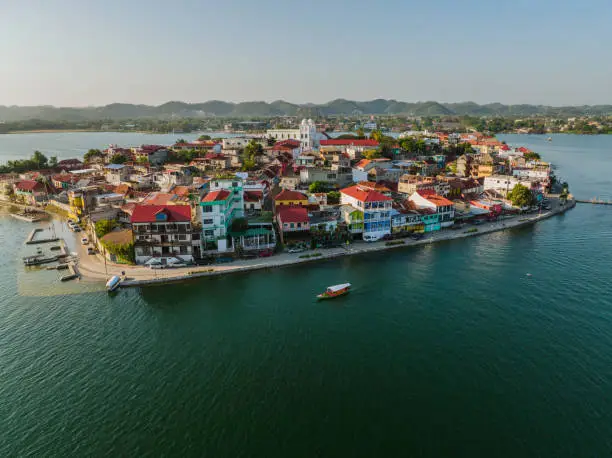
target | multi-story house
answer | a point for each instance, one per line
(152, 154)
(116, 173)
(293, 222)
(31, 191)
(162, 232)
(223, 203)
(376, 209)
(352, 218)
(406, 221)
(440, 205)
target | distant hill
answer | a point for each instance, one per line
(338, 107)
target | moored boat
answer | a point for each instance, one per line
(335, 291)
(113, 283)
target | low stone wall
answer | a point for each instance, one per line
(270, 263)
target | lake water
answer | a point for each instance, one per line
(443, 350)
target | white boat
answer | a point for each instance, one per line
(113, 283)
(335, 291)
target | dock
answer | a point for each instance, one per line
(32, 240)
(72, 274)
(594, 202)
(30, 218)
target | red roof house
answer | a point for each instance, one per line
(161, 213)
(363, 194)
(350, 142)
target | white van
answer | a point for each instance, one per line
(371, 238)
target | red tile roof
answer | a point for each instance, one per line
(434, 198)
(181, 191)
(362, 163)
(159, 198)
(286, 194)
(286, 144)
(216, 196)
(292, 214)
(30, 186)
(253, 196)
(215, 156)
(150, 213)
(348, 142)
(364, 195)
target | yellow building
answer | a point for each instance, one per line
(288, 198)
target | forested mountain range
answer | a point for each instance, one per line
(338, 107)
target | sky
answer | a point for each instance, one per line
(95, 52)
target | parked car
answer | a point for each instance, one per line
(387, 237)
(416, 236)
(371, 238)
(90, 250)
(265, 254)
(76, 229)
(296, 250)
(84, 240)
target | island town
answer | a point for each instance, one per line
(294, 194)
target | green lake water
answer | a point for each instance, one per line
(443, 350)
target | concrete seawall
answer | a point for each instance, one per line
(270, 263)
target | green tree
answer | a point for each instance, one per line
(104, 226)
(532, 156)
(317, 186)
(92, 154)
(239, 225)
(53, 161)
(9, 192)
(376, 135)
(360, 133)
(118, 159)
(333, 197)
(203, 138)
(181, 140)
(254, 149)
(521, 196)
(40, 160)
(372, 154)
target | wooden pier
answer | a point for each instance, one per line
(32, 240)
(594, 202)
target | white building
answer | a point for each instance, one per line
(540, 173)
(503, 184)
(306, 134)
(235, 142)
(441, 205)
(376, 209)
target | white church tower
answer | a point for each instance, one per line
(308, 134)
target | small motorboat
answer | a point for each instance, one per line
(528, 275)
(335, 291)
(113, 283)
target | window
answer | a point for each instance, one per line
(207, 209)
(291, 225)
(209, 233)
(207, 221)
(299, 225)
(182, 237)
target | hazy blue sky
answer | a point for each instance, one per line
(92, 52)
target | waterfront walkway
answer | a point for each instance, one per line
(93, 267)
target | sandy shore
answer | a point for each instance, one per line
(93, 266)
